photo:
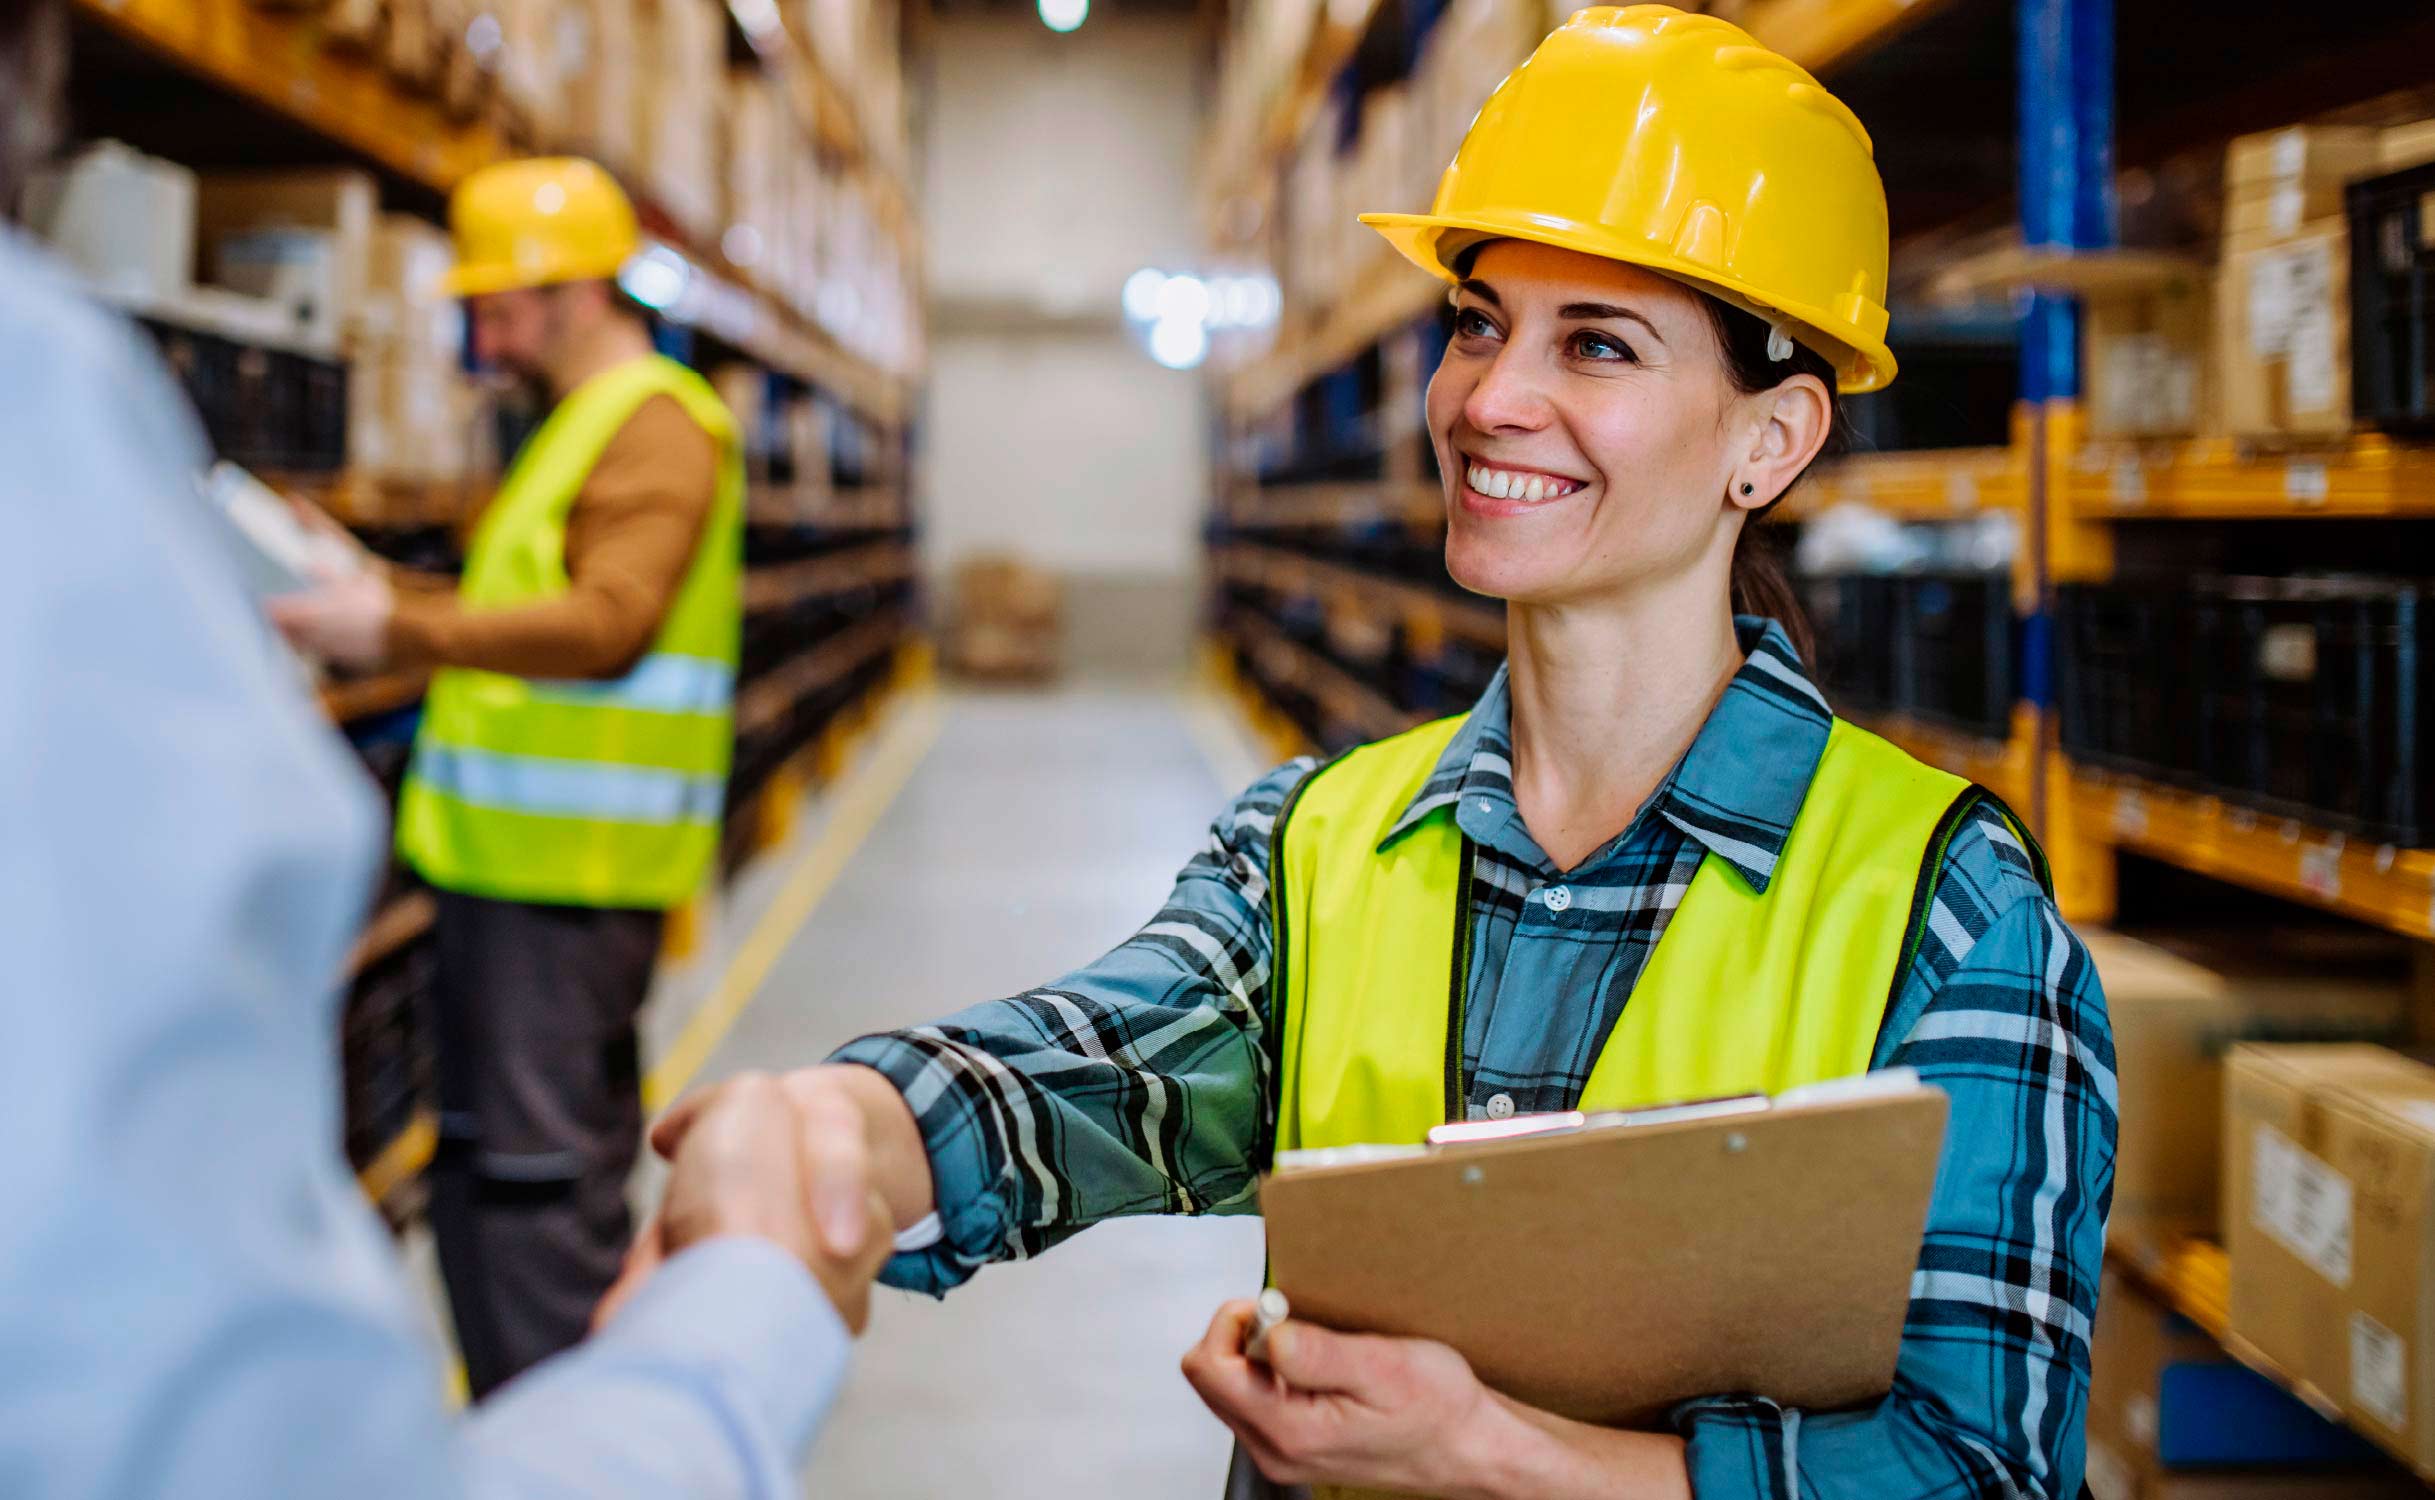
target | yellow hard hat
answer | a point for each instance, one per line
(1676, 142)
(536, 223)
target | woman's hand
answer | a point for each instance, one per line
(1409, 1415)
(1338, 1408)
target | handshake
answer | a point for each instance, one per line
(788, 1159)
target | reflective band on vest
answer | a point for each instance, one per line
(586, 793)
(1746, 992)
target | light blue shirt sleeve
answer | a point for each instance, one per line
(195, 1300)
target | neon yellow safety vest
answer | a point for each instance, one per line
(585, 793)
(1745, 993)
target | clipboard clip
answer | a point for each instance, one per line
(1565, 1122)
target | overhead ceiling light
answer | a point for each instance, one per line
(1179, 343)
(1064, 15)
(1141, 291)
(1183, 299)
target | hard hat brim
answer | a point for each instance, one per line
(481, 280)
(1430, 241)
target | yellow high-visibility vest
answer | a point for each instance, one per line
(1745, 993)
(586, 793)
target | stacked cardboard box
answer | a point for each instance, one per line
(2176, 1011)
(2283, 326)
(1007, 620)
(413, 414)
(684, 97)
(301, 238)
(2172, 1417)
(2329, 1216)
(601, 104)
(2148, 371)
(124, 219)
(760, 147)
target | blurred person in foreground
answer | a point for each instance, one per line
(195, 1299)
(572, 760)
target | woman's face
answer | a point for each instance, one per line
(1589, 436)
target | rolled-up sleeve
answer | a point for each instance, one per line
(1135, 1085)
(1991, 1391)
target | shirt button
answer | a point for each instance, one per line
(1487, 806)
(1500, 1107)
(1558, 898)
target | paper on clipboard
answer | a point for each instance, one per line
(1611, 1269)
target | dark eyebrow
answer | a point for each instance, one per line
(1485, 293)
(1592, 312)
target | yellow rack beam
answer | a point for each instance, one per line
(282, 60)
(2393, 888)
(2215, 479)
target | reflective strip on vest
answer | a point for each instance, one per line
(664, 683)
(1746, 991)
(570, 788)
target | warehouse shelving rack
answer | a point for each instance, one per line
(2070, 494)
(847, 558)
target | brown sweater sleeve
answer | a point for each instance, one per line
(629, 540)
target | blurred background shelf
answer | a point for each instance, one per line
(2393, 888)
(2369, 475)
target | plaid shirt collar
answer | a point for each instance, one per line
(1736, 791)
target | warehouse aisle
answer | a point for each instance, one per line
(1035, 832)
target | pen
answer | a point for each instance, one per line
(1272, 1310)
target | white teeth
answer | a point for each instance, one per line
(1503, 484)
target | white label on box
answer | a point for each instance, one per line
(2310, 374)
(2270, 306)
(2290, 153)
(2379, 1371)
(2283, 208)
(2302, 1204)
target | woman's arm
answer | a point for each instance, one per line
(1136, 1085)
(2003, 1012)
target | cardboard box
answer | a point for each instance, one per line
(2406, 146)
(2176, 1012)
(601, 103)
(2330, 1220)
(2147, 361)
(2310, 156)
(339, 202)
(124, 219)
(2283, 335)
(2169, 1410)
(299, 269)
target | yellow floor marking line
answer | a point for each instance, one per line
(1220, 735)
(857, 805)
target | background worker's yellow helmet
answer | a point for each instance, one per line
(537, 223)
(1678, 143)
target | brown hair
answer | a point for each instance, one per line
(1760, 584)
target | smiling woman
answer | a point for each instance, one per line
(1549, 903)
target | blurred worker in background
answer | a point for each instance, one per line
(567, 781)
(195, 1299)
(1649, 864)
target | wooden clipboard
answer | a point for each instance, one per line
(1610, 1273)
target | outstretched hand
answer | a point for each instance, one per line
(746, 1158)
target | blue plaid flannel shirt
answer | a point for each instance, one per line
(1139, 1085)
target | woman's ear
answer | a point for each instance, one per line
(1793, 420)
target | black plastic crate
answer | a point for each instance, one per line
(2392, 301)
(2125, 688)
(1954, 650)
(1855, 619)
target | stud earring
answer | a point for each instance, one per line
(1746, 487)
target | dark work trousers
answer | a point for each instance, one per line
(541, 1115)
